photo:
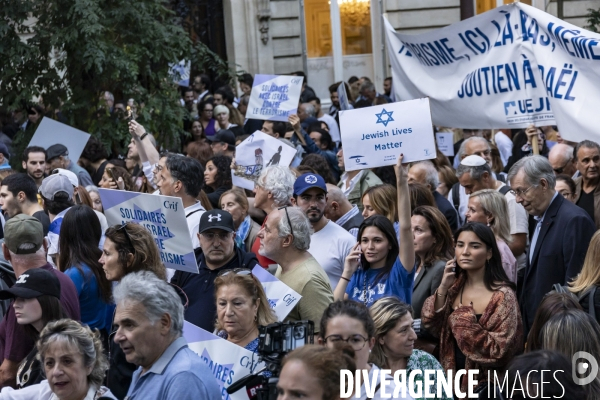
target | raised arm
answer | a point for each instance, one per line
(145, 147)
(350, 267)
(405, 236)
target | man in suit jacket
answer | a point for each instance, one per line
(561, 236)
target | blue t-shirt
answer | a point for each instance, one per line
(94, 310)
(398, 283)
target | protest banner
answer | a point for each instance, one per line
(163, 216)
(274, 97)
(50, 132)
(376, 136)
(281, 297)
(257, 152)
(343, 97)
(510, 67)
(227, 361)
(445, 143)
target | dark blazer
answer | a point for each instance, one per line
(558, 256)
(447, 209)
(425, 285)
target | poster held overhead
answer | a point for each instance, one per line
(445, 143)
(376, 136)
(274, 97)
(50, 132)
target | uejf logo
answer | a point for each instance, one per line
(584, 364)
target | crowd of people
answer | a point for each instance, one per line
(486, 260)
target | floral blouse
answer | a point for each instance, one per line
(421, 360)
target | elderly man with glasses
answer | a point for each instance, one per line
(217, 253)
(560, 238)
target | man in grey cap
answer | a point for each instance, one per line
(223, 143)
(25, 248)
(58, 157)
(57, 198)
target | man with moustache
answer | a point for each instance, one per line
(34, 163)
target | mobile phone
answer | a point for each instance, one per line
(455, 269)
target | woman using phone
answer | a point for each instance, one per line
(474, 311)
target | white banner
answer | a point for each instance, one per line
(282, 298)
(445, 143)
(274, 97)
(507, 68)
(50, 132)
(376, 136)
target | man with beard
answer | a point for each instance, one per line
(34, 163)
(18, 195)
(330, 243)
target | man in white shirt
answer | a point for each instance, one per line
(330, 243)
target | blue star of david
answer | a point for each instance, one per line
(389, 118)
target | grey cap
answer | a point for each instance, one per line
(56, 150)
(54, 184)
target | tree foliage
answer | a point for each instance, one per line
(593, 19)
(77, 49)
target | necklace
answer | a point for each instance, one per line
(366, 290)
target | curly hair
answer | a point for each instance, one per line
(318, 163)
(80, 337)
(94, 150)
(223, 165)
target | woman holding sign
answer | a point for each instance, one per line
(386, 261)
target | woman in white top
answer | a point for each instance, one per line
(489, 207)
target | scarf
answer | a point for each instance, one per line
(242, 232)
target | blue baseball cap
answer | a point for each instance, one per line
(308, 181)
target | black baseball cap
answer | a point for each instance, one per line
(56, 150)
(216, 219)
(224, 136)
(33, 283)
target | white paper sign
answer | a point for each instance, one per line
(376, 136)
(227, 361)
(274, 97)
(255, 153)
(343, 97)
(50, 132)
(445, 143)
(163, 216)
(510, 67)
(281, 297)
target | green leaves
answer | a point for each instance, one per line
(593, 19)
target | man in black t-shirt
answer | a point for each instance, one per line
(587, 192)
(18, 195)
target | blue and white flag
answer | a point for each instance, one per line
(281, 297)
(274, 97)
(343, 97)
(162, 216)
(510, 67)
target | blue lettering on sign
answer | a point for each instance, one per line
(559, 85)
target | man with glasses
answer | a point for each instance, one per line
(587, 185)
(285, 238)
(562, 160)
(217, 253)
(561, 236)
(330, 243)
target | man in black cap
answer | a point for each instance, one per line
(25, 248)
(58, 157)
(217, 253)
(223, 143)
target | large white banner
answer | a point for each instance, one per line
(507, 68)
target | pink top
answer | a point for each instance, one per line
(509, 262)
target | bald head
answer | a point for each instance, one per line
(337, 203)
(561, 159)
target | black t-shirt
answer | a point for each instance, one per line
(44, 219)
(586, 201)
(30, 370)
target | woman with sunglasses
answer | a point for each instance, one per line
(127, 248)
(242, 306)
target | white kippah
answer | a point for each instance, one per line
(473, 161)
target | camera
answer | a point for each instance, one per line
(274, 342)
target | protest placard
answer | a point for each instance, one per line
(257, 152)
(509, 67)
(274, 97)
(163, 216)
(445, 143)
(227, 361)
(50, 132)
(343, 97)
(376, 136)
(281, 297)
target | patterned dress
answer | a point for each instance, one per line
(420, 361)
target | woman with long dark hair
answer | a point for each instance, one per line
(80, 234)
(386, 261)
(474, 311)
(217, 177)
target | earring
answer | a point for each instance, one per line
(255, 317)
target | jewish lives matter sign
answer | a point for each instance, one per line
(227, 361)
(507, 68)
(162, 216)
(274, 97)
(376, 136)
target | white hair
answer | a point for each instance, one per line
(300, 229)
(278, 180)
(535, 168)
(463, 146)
(220, 109)
(432, 177)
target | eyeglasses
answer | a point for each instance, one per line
(124, 229)
(207, 111)
(356, 341)
(237, 271)
(520, 192)
(211, 235)
(561, 169)
(288, 219)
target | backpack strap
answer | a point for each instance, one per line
(504, 189)
(456, 196)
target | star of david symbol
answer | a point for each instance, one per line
(310, 179)
(216, 216)
(388, 119)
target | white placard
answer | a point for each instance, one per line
(343, 97)
(257, 152)
(376, 136)
(445, 143)
(163, 216)
(281, 297)
(274, 97)
(50, 132)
